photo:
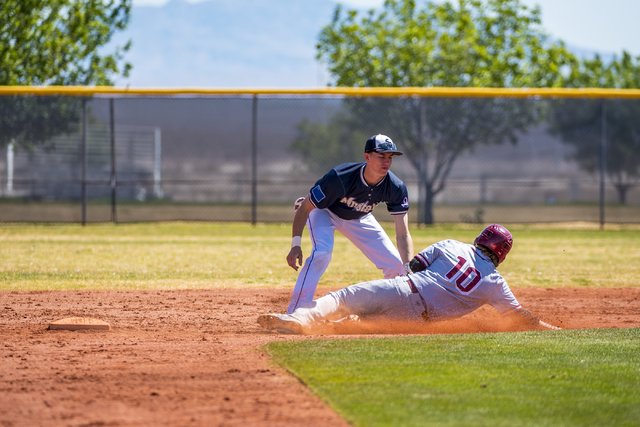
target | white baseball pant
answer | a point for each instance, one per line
(366, 233)
(388, 299)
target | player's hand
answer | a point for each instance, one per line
(295, 257)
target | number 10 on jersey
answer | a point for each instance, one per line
(466, 280)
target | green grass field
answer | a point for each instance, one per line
(18, 210)
(559, 378)
(191, 255)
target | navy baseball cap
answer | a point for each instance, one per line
(381, 144)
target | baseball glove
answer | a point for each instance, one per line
(416, 265)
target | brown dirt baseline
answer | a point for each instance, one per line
(193, 357)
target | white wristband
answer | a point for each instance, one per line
(296, 241)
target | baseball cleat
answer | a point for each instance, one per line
(282, 323)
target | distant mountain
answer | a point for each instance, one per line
(226, 43)
(231, 43)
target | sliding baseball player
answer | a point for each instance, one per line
(449, 279)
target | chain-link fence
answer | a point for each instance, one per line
(247, 157)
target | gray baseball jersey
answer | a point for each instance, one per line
(459, 279)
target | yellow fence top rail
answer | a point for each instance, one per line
(342, 91)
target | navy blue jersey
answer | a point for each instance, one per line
(345, 192)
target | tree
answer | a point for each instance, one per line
(328, 145)
(58, 42)
(28, 121)
(499, 43)
(55, 42)
(579, 122)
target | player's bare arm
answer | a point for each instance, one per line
(294, 259)
(403, 237)
(524, 316)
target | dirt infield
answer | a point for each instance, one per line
(193, 357)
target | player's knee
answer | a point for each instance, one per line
(321, 257)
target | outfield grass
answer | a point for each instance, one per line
(18, 210)
(559, 378)
(203, 254)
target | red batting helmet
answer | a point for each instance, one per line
(497, 239)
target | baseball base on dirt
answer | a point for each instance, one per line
(77, 323)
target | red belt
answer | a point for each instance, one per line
(412, 286)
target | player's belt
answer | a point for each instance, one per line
(412, 286)
(414, 290)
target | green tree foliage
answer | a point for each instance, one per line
(620, 73)
(58, 42)
(55, 42)
(579, 122)
(326, 145)
(498, 43)
(28, 121)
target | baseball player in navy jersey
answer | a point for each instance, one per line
(343, 200)
(449, 279)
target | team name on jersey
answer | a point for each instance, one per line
(358, 207)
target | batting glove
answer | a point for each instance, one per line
(407, 268)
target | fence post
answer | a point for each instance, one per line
(603, 161)
(10, 158)
(421, 185)
(157, 164)
(254, 161)
(114, 182)
(84, 161)
(483, 188)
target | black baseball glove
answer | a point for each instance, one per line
(416, 265)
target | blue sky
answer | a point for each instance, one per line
(606, 26)
(175, 45)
